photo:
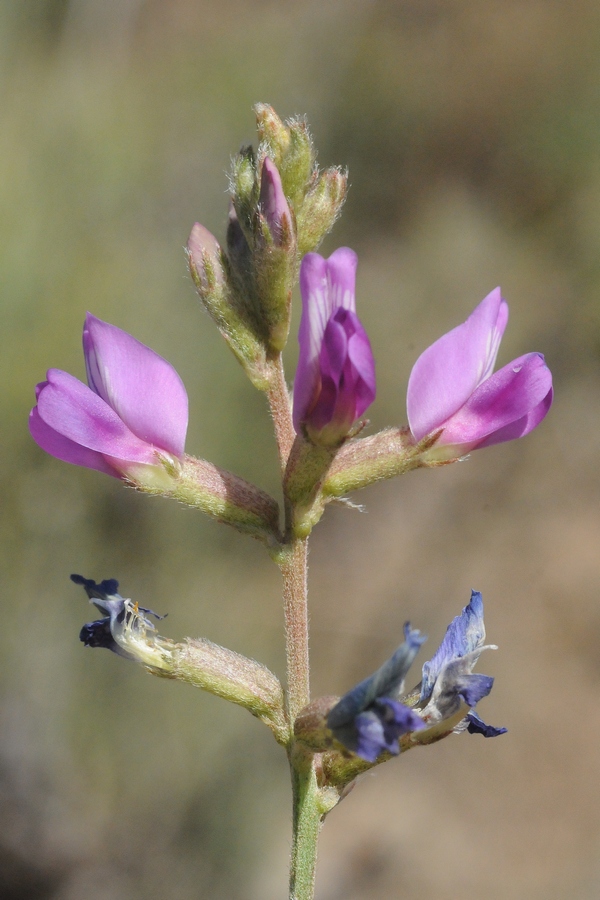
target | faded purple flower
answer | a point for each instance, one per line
(273, 204)
(134, 411)
(452, 386)
(448, 684)
(124, 628)
(369, 719)
(335, 379)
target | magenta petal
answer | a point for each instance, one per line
(325, 285)
(62, 448)
(447, 373)
(361, 357)
(522, 426)
(272, 200)
(141, 387)
(341, 273)
(74, 411)
(507, 397)
(347, 373)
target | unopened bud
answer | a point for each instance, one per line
(274, 257)
(299, 164)
(224, 301)
(321, 207)
(204, 254)
(244, 188)
(272, 132)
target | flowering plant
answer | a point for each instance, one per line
(130, 422)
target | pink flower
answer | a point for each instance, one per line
(452, 386)
(335, 379)
(134, 411)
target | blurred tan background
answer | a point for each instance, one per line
(471, 131)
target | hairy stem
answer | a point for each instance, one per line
(295, 609)
(279, 402)
(292, 560)
(307, 823)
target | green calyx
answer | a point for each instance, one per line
(233, 677)
(221, 495)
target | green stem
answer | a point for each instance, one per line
(307, 824)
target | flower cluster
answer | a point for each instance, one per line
(130, 422)
(372, 717)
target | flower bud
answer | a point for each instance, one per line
(223, 303)
(205, 256)
(320, 209)
(272, 132)
(244, 186)
(274, 257)
(290, 148)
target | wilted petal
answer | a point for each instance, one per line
(475, 725)
(448, 372)
(377, 730)
(73, 410)
(505, 398)
(474, 687)
(464, 634)
(369, 718)
(139, 385)
(122, 617)
(386, 681)
(456, 687)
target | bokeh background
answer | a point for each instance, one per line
(471, 131)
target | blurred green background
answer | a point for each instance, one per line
(471, 131)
